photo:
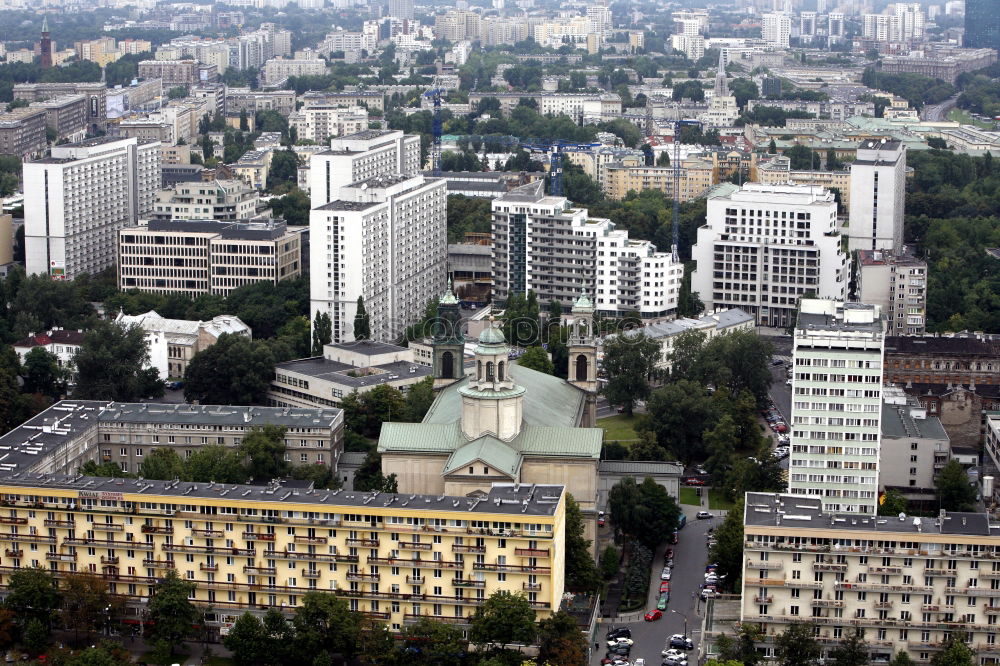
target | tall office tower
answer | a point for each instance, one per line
(45, 45)
(982, 24)
(837, 356)
(763, 247)
(878, 190)
(600, 20)
(359, 156)
(911, 21)
(401, 9)
(377, 230)
(777, 28)
(835, 25)
(80, 197)
(543, 244)
(807, 24)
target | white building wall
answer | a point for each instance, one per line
(878, 192)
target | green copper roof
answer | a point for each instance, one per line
(492, 335)
(489, 451)
(471, 392)
(449, 297)
(535, 441)
(583, 303)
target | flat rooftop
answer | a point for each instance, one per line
(367, 347)
(801, 512)
(244, 230)
(898, 422)
(349, 205)
(341, 373)
(956, 344)
(512, 499)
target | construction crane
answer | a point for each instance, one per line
(554, 148)
(435, 95)
(679, 124)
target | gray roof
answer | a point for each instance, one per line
(241, 230)
(514, 499)
(898, 423)
(640, 469)
(336, 372)
(349, 205)
(798, 512)
(367, 347)
(131, 412)
(824, 322)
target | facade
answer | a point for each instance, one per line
(940, 62)
(832, 109)
(914, 447)
(982, 25)
(897, 284)
(342, 369)
(908, 584)
(176, 72)
(594, 159)
(60, 342)
(174, 342)
(665, 333)
(319, 123)
(85, 193)
(776, 29)
(252, 101)
(95, 92)
(542, 244)
(277, 70)
(578, 106)
(878, 191)
(384, 239)
(696, 176)
(401, 9)
(220, 200)
(22, 133)
(764, 247)
(955, 359)
(66, 114)
(837, 357)
(359, 156)
(195, 257)
(394, 558)
(371, 99)
(252, 168)
(778, 171)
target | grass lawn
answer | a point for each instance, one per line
(619, 427)
(962, 116)
(690, 496)
(717, 500)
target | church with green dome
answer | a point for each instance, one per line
(494, 421)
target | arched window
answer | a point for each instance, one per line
(479, 370)
(447, 365)
(489, 371)
(500, 371)
(581, 368)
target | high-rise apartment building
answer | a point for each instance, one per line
(835, 25)
(837, 357)
(764, 247)
(543, 244)
(82, 195)
(898, 284)
(357, 157)
(911, 21)
(776, 29)
(22, 133)
(401, 9)
(320, 122)
(982, 24)
(878, 191)
(195, 257)
(600, 20)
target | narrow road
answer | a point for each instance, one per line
(937, 112)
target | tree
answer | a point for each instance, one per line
(536, 358)
(377, 645)
(233, 371)
(648, 449)
(720, 443)
(170, 610)
(431, 642)
(851, 651)
(32, 595)
(177, 92)
(956, 652)
(663, 160)
(797, 645)
(293, 208)
(247, 640)
(162, 463)
(284, 170)
(581, 572)
(244, 121)
(954, 491)
(610, 562)
(560, 641)
(728, 549)
(772, 148)
(217, 463)
(42, 374)
(109, 469)
(324, 625)
(85, 602)
(207, 147)
(504, 618)
(801, 158)
(892, 503)
(265, 447)
(322, 332)
(629, 363)
(677, 414)
(36, 636)
(741, 649)
(113, 364)
(643, 511)
(369, 475)
(902, 658)
(362, 322)
(419, 399)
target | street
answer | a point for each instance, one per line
(936, 112)
(690, 555)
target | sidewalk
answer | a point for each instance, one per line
(140, 649)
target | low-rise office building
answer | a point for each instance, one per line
(252, 101)
(253, 167)
(696, 177)
(319, 123)
(897, 283)
(22, 133)
(61, 342)
(914, 448)
(278, 70)
(196, 257)
(710, 325)
(220, 200)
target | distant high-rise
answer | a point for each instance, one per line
(45, 46)
(878, 189)
(982, 24)
(401, 9)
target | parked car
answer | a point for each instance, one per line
(600, 518)
(693, 482)
(669, 563)
(671, 653)
(673, 662)
(681, 642)
(665, 574)
(621, 640)
(615, 660)
(619, 632)
(653, 615)
(621, 650)
(702, 515)
(777, 361)
(661, 603)
(664, 586)
(669, 553)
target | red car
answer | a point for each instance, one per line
(664, 586)
(669, 554)
(693, 482)
(653, 615)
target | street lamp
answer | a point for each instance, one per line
(685, 621)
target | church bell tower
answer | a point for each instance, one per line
(583, 354)
(448, 341)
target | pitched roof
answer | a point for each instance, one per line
(488, 450)
(57, 336)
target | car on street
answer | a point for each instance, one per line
(653, 615)
(673, 662)
(620, 650)
(674, 538)
(627, 642)
(669, 553)
(780, 427)
(661, 603)
(669, 563)
(671, 653)
(619, 632)
(664, 586)
(693, 482)
(702, 515)
(600, 518)
(681, 642)
(781, 452)
(777, 361)
(615, 660)
(665, 574)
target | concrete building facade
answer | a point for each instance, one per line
(897, 284)
(878, 192)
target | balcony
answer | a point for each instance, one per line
(218, 550)
(11, 520)
(159, 564)
(940, 572)
(826, 603)
(364, 578)
(765, 565)
(312, 573)
(60, 523)
(413, 545)
(209, 534)
(937, 608)
(488, 566)
(110, 527)
(154, 529)
(415, 580)
(883, 605)
(876, 587)
(13, 553)
(458, 548)
(531, 587)
(989, 574)
(367, 543)
(973, 591)
(531, 552)
(410, 618)
(766, 582)
(260, 571)
(828, 566)
(110, 543)
(110, 561)
(376, 615)
(61, 557)
(27, 537)
(313, 557)
(319, 541)
(990, 609)
(885, 570)
(803, 585)
(467, 582)
(208, 567)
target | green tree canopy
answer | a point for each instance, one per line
(233, 371)
(643, 511)
(112, 364)
(503, 619)
(538, 359)
(265, 449)
(325, 625)
(629, 363)
(797, 645)
(954, 491)
(171, 611)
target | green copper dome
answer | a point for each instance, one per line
(449, 297)
(583, 303)
(492, 335)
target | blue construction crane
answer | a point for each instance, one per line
(554, 147)
(678, 125)
(435, 95)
